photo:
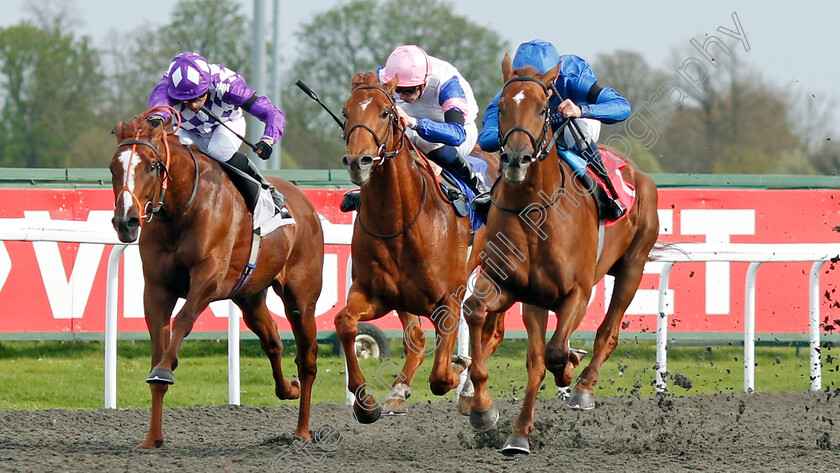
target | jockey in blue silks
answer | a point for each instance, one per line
(581, 97)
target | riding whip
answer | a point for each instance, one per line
(216, 117)
(314, 97)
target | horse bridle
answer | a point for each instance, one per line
(393, 119)
(148, 211)
(540, 152)
(382, 155)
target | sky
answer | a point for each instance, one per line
(790, 43)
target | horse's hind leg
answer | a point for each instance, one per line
(414, 342)
(627, 278)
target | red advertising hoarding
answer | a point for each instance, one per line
(49, 288)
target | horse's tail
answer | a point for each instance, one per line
(660, 248)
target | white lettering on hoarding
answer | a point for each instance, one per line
(68, 297)
(717, 225)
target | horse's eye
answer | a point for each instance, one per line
(386, 113)
(153, 168)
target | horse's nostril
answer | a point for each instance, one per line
(504, 158)
(526, 160)
(345, 161)
(133, 223)
(366, 161)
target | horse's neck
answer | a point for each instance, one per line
(182, 175)
(397, 188)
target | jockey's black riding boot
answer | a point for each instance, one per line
(459, 166)
(241, 162)
(608, 208)
(351, 201)
(613, 209)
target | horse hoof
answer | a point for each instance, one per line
(394, 407)
(149, 444)
(516, 444)
(367, 416)
(464, 403)
(160, 376)
(582, 400)
(484, 419)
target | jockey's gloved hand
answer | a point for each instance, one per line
(155, 120)
(263, 149)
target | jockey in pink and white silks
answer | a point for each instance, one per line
(191, 83)
(438, 107)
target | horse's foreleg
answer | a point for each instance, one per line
(198, 298)
(627, 279)
(535, 324)
(158, 304)
(493, 332)
(485, 297)
(570, 312)
(446, 319)
(414, 343)
(365, 407)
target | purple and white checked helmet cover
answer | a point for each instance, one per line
(189, 76)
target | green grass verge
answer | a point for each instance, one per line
(69, 375)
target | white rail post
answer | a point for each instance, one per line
(111, 309)
(233, 354)
(464, 335)
(662, 331)
(814, 325)
(749, 328)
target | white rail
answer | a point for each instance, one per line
(27, 229)
(755, 254)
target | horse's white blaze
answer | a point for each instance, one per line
(365, 104)
(519, 97)
(129, 167)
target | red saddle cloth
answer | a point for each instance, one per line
(626, 191)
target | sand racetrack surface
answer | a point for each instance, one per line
(794, 432)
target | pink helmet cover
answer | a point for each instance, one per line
(409, 63)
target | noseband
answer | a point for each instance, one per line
(540, 151)
(393, 124)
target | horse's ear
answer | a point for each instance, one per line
(357, 81)
(118, 131)
(507, 67)
(549, 77)
(391, 85)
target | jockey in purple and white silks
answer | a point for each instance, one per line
(191, 82)
(581, 97)
(439, 109)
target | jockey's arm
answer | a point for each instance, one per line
(450, 132)
(160, 97)
(488, 139)
(453, 102)
(609, 107)
(259, 106)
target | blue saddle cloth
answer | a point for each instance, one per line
(480, 167)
